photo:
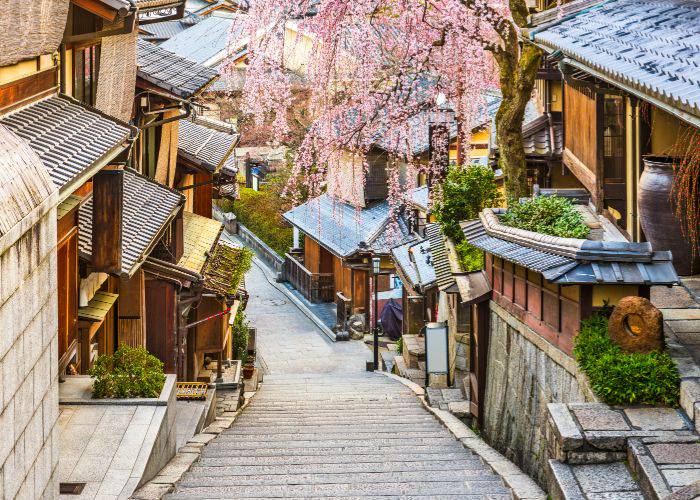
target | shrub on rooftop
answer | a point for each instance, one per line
(131, 372)
(551, 215)
(620, 378)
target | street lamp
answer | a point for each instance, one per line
(375, 270)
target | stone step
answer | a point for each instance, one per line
(303, 405)
(345, 489)
(436, 476)
(339, 429)
(409, 457)
(266, 421)
(215, 448)
(387, 414)
(462, 464)
(233, 442)
(266, 436)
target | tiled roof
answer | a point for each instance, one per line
(69, 137)
(341, 228)
(167, 29)
(201, 234)
(441, 263)
(415, 261)
(173, 73)
(148, 208)
(419, 197)
(587, 261)
(204, 43)
(226, 268)
(144, 5)
(539, 134)
(652, 47)
(204, 146)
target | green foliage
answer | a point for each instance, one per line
(261, 212)
(239, 336)
(471, 258)
(399, 345)
(548, 215)
(131, 372)
(619, 378)
(465, 192)
(244, 258)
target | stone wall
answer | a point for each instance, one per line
(524, 374)
(29, 357)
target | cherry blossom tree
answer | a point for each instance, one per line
(375, 68)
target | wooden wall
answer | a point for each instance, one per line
(161, 324)
(132, 310)
(316, 258)
(203, 195)
(210, 335)
(580, 125)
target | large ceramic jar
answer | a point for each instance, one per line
(657, 214)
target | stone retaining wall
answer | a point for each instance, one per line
(270, 256)
(525, 373)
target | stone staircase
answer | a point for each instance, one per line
(411, 363)
(361, 435)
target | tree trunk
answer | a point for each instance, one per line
(517, 78)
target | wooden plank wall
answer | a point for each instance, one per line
(203, 194)
(312, 258)
(161, 310)
(210, 335)
(580, 125)
(132, 310)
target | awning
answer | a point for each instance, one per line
(98, 306)
(473, 287)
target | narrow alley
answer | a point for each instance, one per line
(323, 427)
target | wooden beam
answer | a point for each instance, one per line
(25, 89)
(98, 8)
(581, 171)
(107, 203)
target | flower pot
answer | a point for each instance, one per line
(248, 371)
(657, 214)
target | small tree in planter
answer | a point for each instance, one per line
(239, 335)
(131, 372)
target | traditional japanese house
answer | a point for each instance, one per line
(339, 242)
(522, 332)
(167, 85)
(620, 102)
(143, 216)
(206, 163)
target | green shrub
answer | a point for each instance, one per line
(619, 378)
(548, 215)
(465, 192)
(471, 258)
(261, 212)
(399, 346)
(239, 337)
(131, 372)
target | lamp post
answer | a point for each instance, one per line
(375, 271)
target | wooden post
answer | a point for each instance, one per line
(107, 203)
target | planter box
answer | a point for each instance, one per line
(77, 390)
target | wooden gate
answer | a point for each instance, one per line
(478, 353)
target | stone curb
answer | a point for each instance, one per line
(522, 485)
(299, 304)
(189, 453)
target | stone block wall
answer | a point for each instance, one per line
(525, 373)
(29, 357)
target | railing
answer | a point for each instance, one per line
(267, 253)
(344, 309)
(315, 287)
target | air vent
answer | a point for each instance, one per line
(71, 488)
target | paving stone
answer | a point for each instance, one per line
(685, 326)
(595, 418)
(678, 478)
(680, 314)
(652, 419)
(602, 478)
(675, 453)
(459, 408)
(152, 491)
(452, 395)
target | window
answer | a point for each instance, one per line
(86, 66)
(614, 137)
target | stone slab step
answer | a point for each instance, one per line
(273, 406)
(409, 457)
(335, 429)
(265, 437)
(343, 490)
(462, 464)
(326, 421)
(234, 443)
(214, 449)
(433, 476)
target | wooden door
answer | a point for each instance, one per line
(161, 324)
(67, 276)
(478, 352)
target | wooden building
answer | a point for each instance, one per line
(334, 264)
(617, 104)
(549, 284)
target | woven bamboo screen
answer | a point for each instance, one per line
(117, 78)
(30, 29)
(24, 181)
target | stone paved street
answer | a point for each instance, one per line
(323, 427)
